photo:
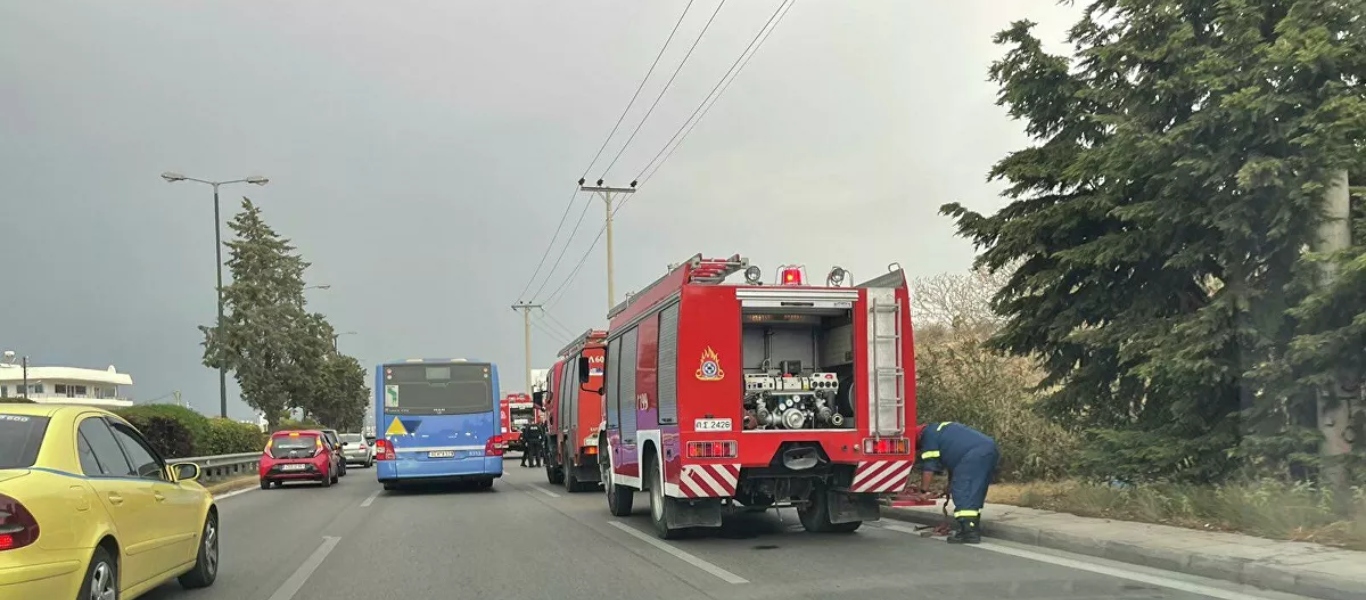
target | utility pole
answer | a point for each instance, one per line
(608, 194)
(24, 361)
(1334, 405)
(526, 307)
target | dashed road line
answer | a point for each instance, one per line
(296, 581)
(723, 574)
(545, 491)
(369, 499)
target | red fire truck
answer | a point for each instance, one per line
(721, 397)
(518, 411)
(573, 415)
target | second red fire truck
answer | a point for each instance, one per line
(573, 415)
(518, 411)
(722, 397)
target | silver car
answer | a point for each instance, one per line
(357, 450)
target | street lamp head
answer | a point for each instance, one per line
(257, 179)
(172, 177)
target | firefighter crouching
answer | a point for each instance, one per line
(970, 457)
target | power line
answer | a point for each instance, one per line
(565, 249)
(564, 285)
(639, 88)
(570, 204)
(704, 107)
(684, 130)
(556, 322)
(550, 245)
(665, 89)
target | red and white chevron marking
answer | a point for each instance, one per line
(709, 481)
(881, 476)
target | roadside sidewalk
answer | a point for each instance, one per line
(1293, 567)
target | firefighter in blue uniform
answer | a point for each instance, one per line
(970, 457)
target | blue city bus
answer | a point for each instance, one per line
(436, 421)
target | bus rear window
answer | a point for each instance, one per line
(20, 438)
(447, 389)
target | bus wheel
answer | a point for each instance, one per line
(486, 484)
(659, 503)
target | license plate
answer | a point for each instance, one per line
(293, 467)
(441, 454)
(711, 425)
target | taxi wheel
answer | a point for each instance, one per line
(101, 578)
(205, 570)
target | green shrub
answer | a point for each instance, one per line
(196, 424)
(226, 436)
(169, 436)
(287, 424)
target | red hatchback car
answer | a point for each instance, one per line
(298, 456)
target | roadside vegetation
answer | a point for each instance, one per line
(1155, 328)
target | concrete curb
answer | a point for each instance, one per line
(1265, 575)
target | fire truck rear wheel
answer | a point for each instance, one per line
(659, 503)
(815, 515)
(554, 475)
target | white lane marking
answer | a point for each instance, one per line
(725, 575)
(296, 581)
(545, 491)
(233, 493)
(1157, 580)
(369, 499)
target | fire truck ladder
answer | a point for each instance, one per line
(889, 380)
(714, 270)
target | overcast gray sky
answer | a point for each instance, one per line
(421, 154)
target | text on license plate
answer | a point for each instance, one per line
(441, 454)
(711, 425)
(293, 467)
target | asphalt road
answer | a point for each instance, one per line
(527, 540)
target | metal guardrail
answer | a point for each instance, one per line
(223, 466)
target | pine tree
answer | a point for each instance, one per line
(1160, 218)
(267, 340)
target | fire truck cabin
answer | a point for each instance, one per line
(722, 397)
(574, 414)
(518, 412)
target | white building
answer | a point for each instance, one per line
(67, 385)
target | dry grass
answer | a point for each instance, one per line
(1271, 510)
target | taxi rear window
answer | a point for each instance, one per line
(20, 438)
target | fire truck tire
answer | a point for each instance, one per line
(815, 516)
(554, 474)
(619, 498)
(571, 483)
(659, 503)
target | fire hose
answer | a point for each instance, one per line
(942, 529)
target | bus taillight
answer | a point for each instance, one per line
(494, 447)
(384, 450)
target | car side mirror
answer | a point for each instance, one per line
(538, 399)
(185, 471)
(345, 444)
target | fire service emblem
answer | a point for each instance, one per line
(710, 370)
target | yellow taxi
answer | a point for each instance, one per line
(88, 510)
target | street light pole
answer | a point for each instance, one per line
(171, 177)
(24, 360)
(335, 336)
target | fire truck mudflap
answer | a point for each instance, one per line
(721, 398)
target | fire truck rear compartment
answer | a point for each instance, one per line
(799, 368)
